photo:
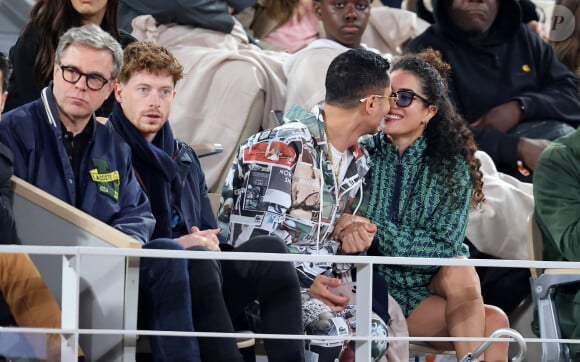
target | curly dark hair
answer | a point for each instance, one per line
(51, 18)
(448, 137)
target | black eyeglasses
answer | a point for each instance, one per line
(404, 98)
(92, 80)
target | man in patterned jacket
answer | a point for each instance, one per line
(295, 180)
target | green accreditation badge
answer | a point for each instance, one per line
(107, 181)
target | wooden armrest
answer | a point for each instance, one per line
(207, 149)
(72, 215)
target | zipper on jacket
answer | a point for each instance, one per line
(394, 212)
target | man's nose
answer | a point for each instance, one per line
(82, 82)
(350, 12)
(154, 99)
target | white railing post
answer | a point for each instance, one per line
(364, 280)
(130, 307)
(70, 306)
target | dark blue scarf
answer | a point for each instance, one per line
(154, 167)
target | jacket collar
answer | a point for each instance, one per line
(314, 120)
(390, 153)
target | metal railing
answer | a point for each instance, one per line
(70, 330)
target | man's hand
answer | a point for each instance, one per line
(355, 233)
(529, 150)
(345, 221)
(357, 237)
(319, 289)
(502, 118)
(542, 29)
(206, 238)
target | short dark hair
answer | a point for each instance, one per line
(355, 74)
(5, 70)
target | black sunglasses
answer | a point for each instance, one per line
(404, 98)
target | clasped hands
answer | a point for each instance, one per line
(206, 238)
(356, 234)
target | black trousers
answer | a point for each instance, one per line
(505, 288)
(221, 291)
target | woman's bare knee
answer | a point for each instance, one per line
(495, 318)
(457, 282)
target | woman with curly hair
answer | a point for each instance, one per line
(32, 57)
(424, 178)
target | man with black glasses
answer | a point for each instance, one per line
(59, 147)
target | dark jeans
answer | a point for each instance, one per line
(165, 304)
(273, 284)
(503, 287)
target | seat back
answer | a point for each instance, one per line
(253, 125)
(535, 243)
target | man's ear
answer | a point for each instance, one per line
(370, 105)
(316, 5)
(118, 89)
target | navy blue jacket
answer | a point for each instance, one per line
(111, 192)
(190, 191)
(186, 189)
(512, 63)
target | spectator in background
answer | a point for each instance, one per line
(212, 15)
(557, 197)
(33, 54)
(346, 24)
(506, 82)
(306, 70)
(285, 25)
(532, 15)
